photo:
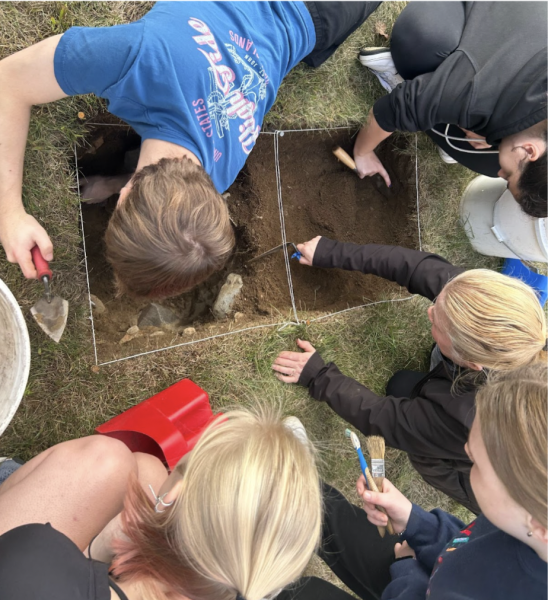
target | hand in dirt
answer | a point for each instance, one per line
(97, 188)
(391, 499)
(368, 165)
(403, 550)
(308, 250)
(290, 365)
(19, 235)
(477, 145)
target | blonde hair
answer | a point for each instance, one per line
(170, 233)
(512, 413)
(247, 519)
(493, 320)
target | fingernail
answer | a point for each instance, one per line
(367, 495)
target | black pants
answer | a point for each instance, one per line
(424, 35)
(353, 549)
(334, 22)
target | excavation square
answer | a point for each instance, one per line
(320, 197)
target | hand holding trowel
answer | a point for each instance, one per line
(50, 312)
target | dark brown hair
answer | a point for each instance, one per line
(532, 184)
(170, 233)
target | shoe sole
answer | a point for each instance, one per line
(373, 51)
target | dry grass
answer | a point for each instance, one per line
(65, 398)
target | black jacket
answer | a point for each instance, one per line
(432, 425)
(494, 83)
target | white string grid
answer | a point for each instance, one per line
(277, 134)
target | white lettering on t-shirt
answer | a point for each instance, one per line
(226, 101)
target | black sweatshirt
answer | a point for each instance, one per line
(494, 83)
(432, 425)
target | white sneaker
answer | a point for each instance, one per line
(297, 429)
(379, 62)
(446, 158)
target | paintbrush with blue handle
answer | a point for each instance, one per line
(369, 479)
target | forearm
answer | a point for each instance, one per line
(370, 136)
(14, 125)
(420, 272)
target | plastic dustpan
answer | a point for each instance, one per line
(167, 425)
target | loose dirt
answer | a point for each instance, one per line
(320, 196)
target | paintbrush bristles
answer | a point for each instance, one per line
(375, 446)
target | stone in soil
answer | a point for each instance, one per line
(227, 296)
(156, 315)
(98, 307)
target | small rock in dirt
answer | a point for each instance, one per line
(127, 338)
(98, 307)
(157, 333)
(228, 294)
(133, 330)
(189, 331)
(226, 195)
(238, 316)
(156, 315)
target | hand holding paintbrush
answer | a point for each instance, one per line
(376, 447)
(368, 477)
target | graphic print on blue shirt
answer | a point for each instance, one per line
(201, 75)
(228, 98)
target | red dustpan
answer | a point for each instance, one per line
(167, 425)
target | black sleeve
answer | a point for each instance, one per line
(416, 425)
(444, 96)
(420, 272)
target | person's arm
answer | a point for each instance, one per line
(26, 78)
(413, 425)
(367, 162)
(429, 532)
(420, 272)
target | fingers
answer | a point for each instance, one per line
(27, 266)
(44, 243)
(289, 356)
(286, 374)
(384, 174)
(306, 346)
(284, 362)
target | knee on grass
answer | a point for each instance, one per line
(170, 233)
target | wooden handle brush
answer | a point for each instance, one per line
(376, 447)
(368, 478)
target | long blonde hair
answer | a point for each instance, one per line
(493, 320)
(512, 409)
(247, 519)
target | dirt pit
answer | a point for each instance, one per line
(320, 196)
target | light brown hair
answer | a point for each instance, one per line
(493, 320)
(247, 519)
(171, 232)
(512, 410)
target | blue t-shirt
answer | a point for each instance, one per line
(198, 74)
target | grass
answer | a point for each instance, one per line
(67, 397)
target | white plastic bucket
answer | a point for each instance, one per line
(496, 225)
(14, 356)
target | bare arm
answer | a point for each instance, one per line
(26, 78)
(370, 136)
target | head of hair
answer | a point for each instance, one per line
(512, 414)
(532, 184)
(247, 519)
(170, 233)
(493, 320)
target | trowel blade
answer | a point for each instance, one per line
(52, 316)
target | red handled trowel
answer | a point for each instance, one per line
(50, 312)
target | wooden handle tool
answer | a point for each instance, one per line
(345, 158)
